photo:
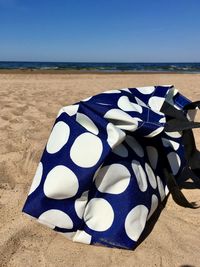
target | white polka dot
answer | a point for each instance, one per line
(138, 119)
(140, 102)
(174, 134)
(155, 132)
(57, 218)
(115, 135)
(154, 205)
(169, 96)
(99, 214)
(170, 143)
(86, 99)
(146, 90)
(95, 175)
(166, 190)
(58, 137)
(60, 183)
(86, 150)
(37, 178)
(158, 112)
(152, 154)
(126, 90)
(82, 237)
(136, 108)
(121, 119)
(167, 85)
(134, 145)
(71, 109)
(60, 112)
(156, 102)
(140, 175)
(112, 92)
(162, 120)
(161, 188)
(135, 222)
(87, 123)
(121, 151)
(113, 179)
(175, 162)
(151, 176)
(125, 104)
(80, 204)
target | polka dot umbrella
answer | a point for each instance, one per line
(111, 160)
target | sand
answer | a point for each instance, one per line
(29, 105)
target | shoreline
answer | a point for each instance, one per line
(53, 71)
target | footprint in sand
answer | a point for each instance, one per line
(18, 244)
(19, 110)
(29, 158)
(5, 117)
(50, 114)
(6, 177)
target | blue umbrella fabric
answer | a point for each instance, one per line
(110, 161)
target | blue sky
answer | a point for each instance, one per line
(100, 30)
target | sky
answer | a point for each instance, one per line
(100, 30)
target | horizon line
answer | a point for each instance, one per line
(109, 62)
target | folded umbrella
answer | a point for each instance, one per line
(111, 160)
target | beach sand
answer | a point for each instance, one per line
(29, 105)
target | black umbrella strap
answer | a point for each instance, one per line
(192, 105)
(175, 191)
(177, 121)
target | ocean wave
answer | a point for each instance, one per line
(104, 67)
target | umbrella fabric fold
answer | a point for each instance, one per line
(110, 161)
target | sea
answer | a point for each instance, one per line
(169, 67)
